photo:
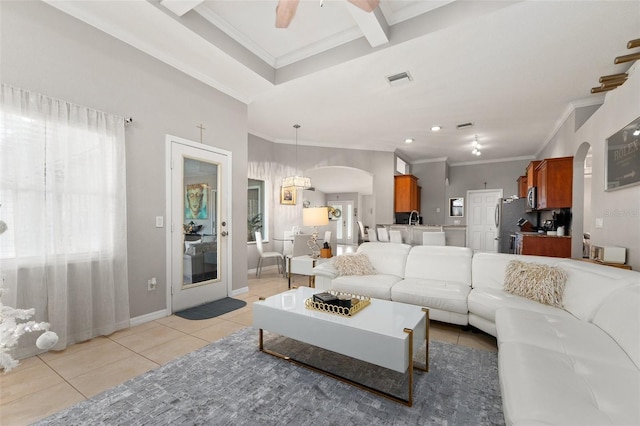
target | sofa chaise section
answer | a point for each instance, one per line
(562, 370)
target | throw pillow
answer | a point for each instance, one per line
(535, 281)
(354, 264)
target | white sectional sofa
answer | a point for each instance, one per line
(579, 365)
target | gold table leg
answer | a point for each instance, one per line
(408, 402)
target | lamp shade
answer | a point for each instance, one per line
(316, 216)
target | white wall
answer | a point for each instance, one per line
(47, 51)
(620, 210)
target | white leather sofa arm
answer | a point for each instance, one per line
(326, 269)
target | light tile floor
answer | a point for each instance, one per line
(45, 384)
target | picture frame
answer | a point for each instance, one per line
(622, 157)
(288, 195)
(456, 207)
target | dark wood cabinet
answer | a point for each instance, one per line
(406, 194)
(543, 245)
(531, 174)
(522, 187)
(554, 179)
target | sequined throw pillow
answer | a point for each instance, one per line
(354, 264)
(535, 281)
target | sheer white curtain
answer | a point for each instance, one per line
(63, 197)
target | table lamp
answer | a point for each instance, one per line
(315, 216)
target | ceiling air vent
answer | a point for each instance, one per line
(398, 79)
(464, 126)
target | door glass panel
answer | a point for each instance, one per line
(200, 259)
(349, 219)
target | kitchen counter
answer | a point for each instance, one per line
(534, 243)
(537, 234)
(455, 235)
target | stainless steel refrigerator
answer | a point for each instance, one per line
(507, 215)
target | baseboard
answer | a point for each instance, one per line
(264, 268)
(152, 316)
(239, 291)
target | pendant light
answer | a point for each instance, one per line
(296, 181)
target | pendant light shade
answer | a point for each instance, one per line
(296, 181)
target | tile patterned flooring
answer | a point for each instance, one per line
(47, 383)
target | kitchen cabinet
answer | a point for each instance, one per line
(543, 245)
(531, 174)
(554, 181)
(406, 194)
(522, 187)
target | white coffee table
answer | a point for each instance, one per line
(385, 333)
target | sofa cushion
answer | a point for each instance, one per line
(377, 286)
(354, 264)
(588, 285)
(619, 316)
(560, 333)
(437, 294)
(485, 301)
(451, 264)
(387, 258)
(541, 386)
(535, 281)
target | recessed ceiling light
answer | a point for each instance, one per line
(408, 140)
(436, 128)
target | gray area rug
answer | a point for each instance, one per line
(230, 382)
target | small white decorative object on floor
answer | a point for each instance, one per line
(10, 331)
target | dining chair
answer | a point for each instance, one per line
(267, 255)
(383, 235)
(287, 245)
(433, 239)
(395, 236)
(363, 236)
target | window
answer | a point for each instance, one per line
(256, 211)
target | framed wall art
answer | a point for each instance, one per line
(288, 195)
(456, 207)
(195, 201)
(622, 157)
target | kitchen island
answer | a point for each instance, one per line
(455, 235)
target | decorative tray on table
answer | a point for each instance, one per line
(338, 303)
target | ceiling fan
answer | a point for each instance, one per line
(286, 9)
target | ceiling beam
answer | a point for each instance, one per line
(372, 24)
(180, 7)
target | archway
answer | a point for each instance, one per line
(578, 210)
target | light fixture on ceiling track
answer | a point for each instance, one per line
(636, 132)
(295, 180)
(286, 9)
(476, 147)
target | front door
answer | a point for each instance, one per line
(481, 223)
(199, 223)
(344, 221)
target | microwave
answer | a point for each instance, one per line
(609, 254)
(532, 199)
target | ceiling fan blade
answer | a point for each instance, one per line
(285, 11)
(366, 5)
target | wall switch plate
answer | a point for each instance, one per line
(437, 209)
(599, 222)
(159, 221)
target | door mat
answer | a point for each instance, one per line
(212, 309)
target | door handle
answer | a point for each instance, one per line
(224, 233)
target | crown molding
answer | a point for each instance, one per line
(499, 160)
